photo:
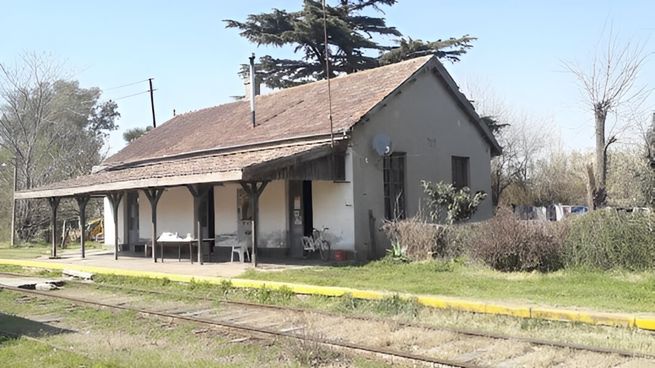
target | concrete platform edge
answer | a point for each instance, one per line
(645, 322)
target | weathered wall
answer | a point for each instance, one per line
(273, 215)
(423, 121)
(272, 212)
(225, 208)
(333, 208)
(174, 213)
(109, 223)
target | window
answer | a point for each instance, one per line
(394, 186)
(460, 167)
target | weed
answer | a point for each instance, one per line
(225, 287)
(395, 305)
(284, 293)
(309, 352)
(346, 303)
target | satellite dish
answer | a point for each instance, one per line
(382, 144)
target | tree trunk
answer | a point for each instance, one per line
(591, 187)
(599, 192)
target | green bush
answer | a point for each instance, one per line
(450, 205)
(508, 244)
(607, 239)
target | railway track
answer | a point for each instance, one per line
(424, 345)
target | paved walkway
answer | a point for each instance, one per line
(100, 258)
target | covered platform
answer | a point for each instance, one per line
(212, 267)
(250, 168)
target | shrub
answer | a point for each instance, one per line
(506, 243)
(608, 239)
(413, 239)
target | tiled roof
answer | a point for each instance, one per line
(220, 144)
(288, 113)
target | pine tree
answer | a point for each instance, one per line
(350, 39)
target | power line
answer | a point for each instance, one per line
(327, 73)
(125, 85)
(132, 95)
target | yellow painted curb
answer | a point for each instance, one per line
(440, 302)
(645, 323)
(594, 318)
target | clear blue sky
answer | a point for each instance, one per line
(194, 59)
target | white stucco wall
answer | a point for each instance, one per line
(332, 208)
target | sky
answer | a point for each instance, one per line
(518, 57)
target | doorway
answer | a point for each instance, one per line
(207, 224)
(301, 215)
(307, 209)
(132, 217)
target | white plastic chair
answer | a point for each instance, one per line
(241, 249)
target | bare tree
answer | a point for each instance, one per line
(521, 137)
(608, 83)
(54, 128)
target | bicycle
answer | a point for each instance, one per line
(316, 242)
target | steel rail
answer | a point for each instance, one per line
(460, 331)
(250, 330)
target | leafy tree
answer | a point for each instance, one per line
(54, 128)
(350, 39)
(450, 49)
(131, 135)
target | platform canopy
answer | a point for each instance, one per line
(243, 165)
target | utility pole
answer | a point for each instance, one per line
(13, 203)
(152, 103)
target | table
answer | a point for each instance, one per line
(180, 243)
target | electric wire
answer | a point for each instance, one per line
(125, 85)
(132, 95)
(327, 73)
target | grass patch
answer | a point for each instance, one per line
(19, 353)
(597, 290)
(106, 338)
(39, 249)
